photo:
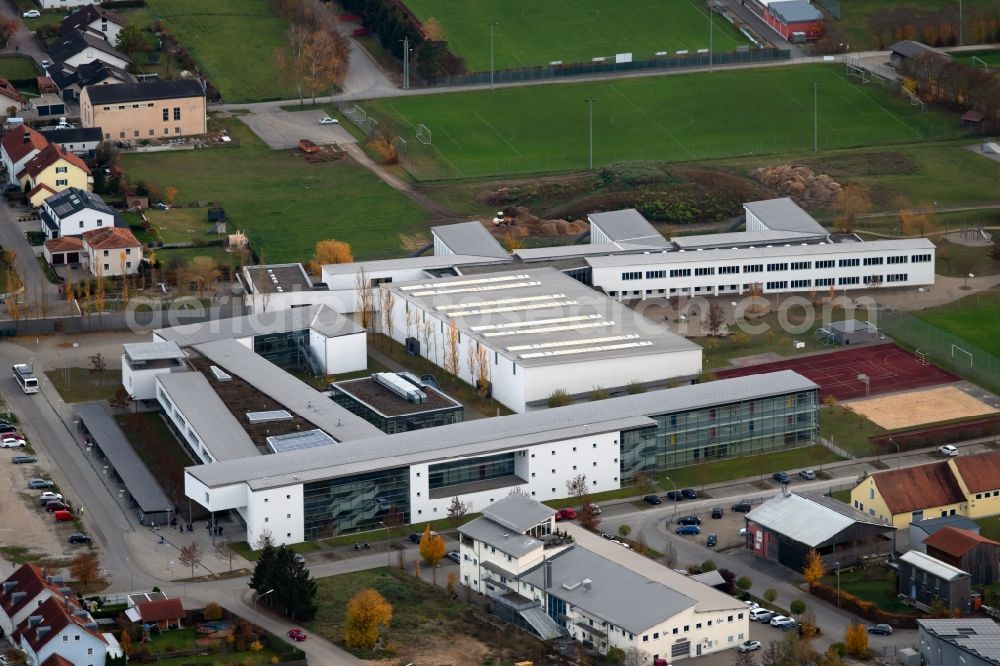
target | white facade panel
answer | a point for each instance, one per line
(339, 354)
(216, 499)
(440, 249)
(141, 383)
(77, 223)
(278, 511)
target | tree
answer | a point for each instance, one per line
(324, 56)
(294, 587)
(670, 555)
(482, 376)
(366, 612)
(744, 659)
(8, 26)
(224, 549)
(84, 569)
(291, 59)
(451, 350)
(797, 607)
(203, 272)
(191, 556)
(577, 486)
(852, 201)
(125, 642)
(97, 367)
(912, 223)
(388, 304)
(120, 399)
(457, 509)
(856, 640)
(624, 530)
(383, 142)
(744, 583)
(708, 565)
(770, 594)
(728, 581)
(635, 657)
(130, 39)
(365, 299)
(716, 320)
(813, 571)
(433, 31)
(212, 612)
(333, 251)
(432, 549)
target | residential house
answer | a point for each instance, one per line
(59, 627)
(82, 48)
(966, 641)
(62, 4)
(81, 141)
(911, 494)
(786, 527)
(23, 591)
(51, 171)
(17, 147)
(111, 251)
(166, 614)
(72, 80)
(963, 485)
(47, 105)
(63, 250)
(926, 580)
(9, 97)
(93, 20)
(922, 529)
(967, 551)
(132, 111)
(590, 588)
(73, 212)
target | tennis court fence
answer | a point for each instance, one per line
(946, 350)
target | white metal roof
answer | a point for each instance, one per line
(152, 351)
(627, 226)
(808, 520)
(517, 512)
(784, 215)
(530, 254)
(426, 263)
(737, 238)
(321, 318)
(931, 565)
(470, 238)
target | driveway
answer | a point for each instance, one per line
(24, 41)
(281, 130)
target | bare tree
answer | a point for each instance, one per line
(411, 320)
(388, 305)
(191, 556)
(263, 540)
(670, 555)
(716, 319)
(483, 374)
(451, 350)
(577, 486)
(427, 333)
(98, 366)
(472, 360)
(224, 549)
(457, 509)
(365, 298)
(291, 59)
(635, 657)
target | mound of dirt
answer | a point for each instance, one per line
(525, 223)
(799, 182)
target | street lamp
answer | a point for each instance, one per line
(121, 496)
(131, 575)
(675, 496)
(899, 453)
(590, 109)
(493, 25)
(388, 544)
(966, 285)
(837, 564)
(258, 596)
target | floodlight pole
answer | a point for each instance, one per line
(899, 453)
(388, 545)
(711, 30)
(815, 117)
(406, 63)
(493, 25)
(961, 28)
(590, 110)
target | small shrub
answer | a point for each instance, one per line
(559, 398)
(770, 595)
(615, 655)
(600, 393)
(635, 387)
(838, 649)
(708, 565)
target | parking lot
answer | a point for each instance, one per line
(281, 130)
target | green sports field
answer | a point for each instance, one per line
(978, 58)
(970, 320)
(680, 117)
(530, 33)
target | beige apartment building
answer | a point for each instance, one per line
(137, 111)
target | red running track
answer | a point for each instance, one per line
(889, 367)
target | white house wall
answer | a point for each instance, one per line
(339, 354)
(141, 383)
(216, 499)
(82, 221)
(279, 511)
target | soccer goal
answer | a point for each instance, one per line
(962, 353)
(856, 70)
(401, 146)
(921, 356)
(358, 115)
(423, 134)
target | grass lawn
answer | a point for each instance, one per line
(13, 67)
(842, 495)
(184, 255)
(974, 318)
(764, 465)
(848, 430)
(162, 454)
(529, 33)
(233, 42)
(282, 202)
(184, 639)
(875, 585)
(856, 13)
(685, 117)
(182, 225)
(421, 614)
(243, 549)
(990, 527)
(957, 260)
(81, 385)
(977, 58)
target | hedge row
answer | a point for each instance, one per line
(866, 609)
(919, 438)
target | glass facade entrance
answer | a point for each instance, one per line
(354, 503)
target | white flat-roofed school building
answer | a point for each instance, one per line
(538, 331)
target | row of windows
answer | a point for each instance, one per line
(780, 284)
(135, 133)
(995, 493)
(873, 261)
(636, 275)
(825, 263)
(849, 262)
(779, 266)
(687, 627)
(848, 280)
(680, 272)
(920, 258)
(177, 114)
(901, 259)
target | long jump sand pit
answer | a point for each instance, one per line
(917, 407)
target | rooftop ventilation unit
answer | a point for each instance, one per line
(571, 586)
(267, 417)
(413, 379)
(220, 374)
(400, 387)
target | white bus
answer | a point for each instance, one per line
(25, 376)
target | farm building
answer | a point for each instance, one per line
(908, 51)
(924, 579)
(795, 20)
(967, 551)
(921, 529)
(785, 528)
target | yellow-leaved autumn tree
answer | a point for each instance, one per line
(432, 549)
(856, 640)
(332, 251)
(813, 570)
(366, 612)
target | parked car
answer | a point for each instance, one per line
(7, 442)
(299, 558)
(752, 604)
(948, 450)
(327, 120)
(23, 460)
(785, 624)
(689, 520)
(31, 13)
(882, 629)
(651, 499)
(7, 428)
(777, 619)
(761, 615)
(689, 493)
(743, 506)
(748, 646)
(45, 62)
(63, 516)
(37, 484)
(297, 635)
(688, 529)
(807, 474)
(48, 496)
(675, 495)
(594, 509)
(454, 556)
(55, 505)
(621, 543)
(565, 514)
(79, 537)
(712, 540)
(609, 537)
(717, 512)
(781, 477)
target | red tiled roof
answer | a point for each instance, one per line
(956, 542)
(27, 578)
(56, 660)
(15, 145)
(10, 91)
(920, 487)
(161, 609)
(64, 244)
(48, 156)
(38, 188)
(980, 472)
(56, 614)
(110, 238)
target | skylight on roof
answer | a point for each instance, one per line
(551, 329)
(488, 287)
(586, 350)
(513, 308)
(499, 301)
(536, 322)
(572, 343)
(454, 283)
